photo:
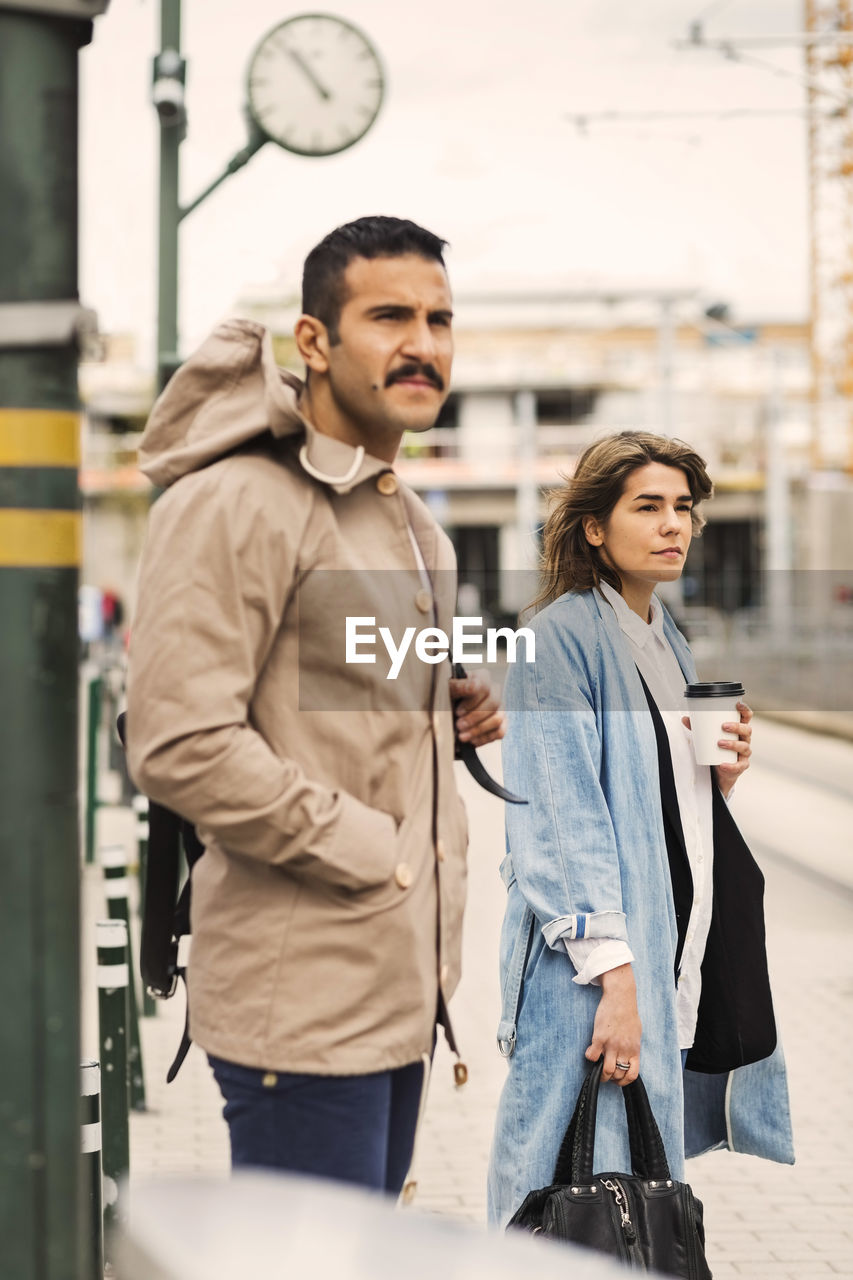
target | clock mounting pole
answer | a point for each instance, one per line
(168, 97)
(257, 139)
(315, 85)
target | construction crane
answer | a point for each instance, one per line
(827, 42)
(829, 75)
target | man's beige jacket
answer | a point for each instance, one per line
(327, 908)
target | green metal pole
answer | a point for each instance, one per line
(168, 97)
(90, 1149)
(113, 859)
(93, 733)
(172, 128)
(113, 973)
(40, 1183)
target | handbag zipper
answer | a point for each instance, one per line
(618, 1192)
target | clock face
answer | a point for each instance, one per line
(315, 84)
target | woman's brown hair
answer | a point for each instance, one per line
(569, 562)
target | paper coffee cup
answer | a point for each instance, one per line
(710, 703)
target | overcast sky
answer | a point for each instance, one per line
(475, 141)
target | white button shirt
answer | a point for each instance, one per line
(660, 669)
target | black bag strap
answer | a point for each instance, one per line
(575, 1158)
(466, 752)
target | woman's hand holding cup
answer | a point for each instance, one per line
(728, 774)
(712, 706)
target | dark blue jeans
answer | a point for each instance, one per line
(358, 1129)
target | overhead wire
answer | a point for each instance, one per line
(729, 50)
(734, 55)
(583, 120)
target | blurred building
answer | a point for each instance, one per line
(537, 377)
(117, 394)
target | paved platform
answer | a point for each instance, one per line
(762, 1220)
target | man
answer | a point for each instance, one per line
(327, 908)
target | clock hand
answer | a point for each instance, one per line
(309, 72)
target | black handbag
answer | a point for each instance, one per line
(644, 1218)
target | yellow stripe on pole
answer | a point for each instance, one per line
(40, 539)
(39, 438)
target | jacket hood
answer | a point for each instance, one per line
(228, 391)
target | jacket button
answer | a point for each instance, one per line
(424, 600)
(444, 974)
(441, 852)
(387, 483)
(403, 875)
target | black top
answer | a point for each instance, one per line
(735, 1023)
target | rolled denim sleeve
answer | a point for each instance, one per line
(562, 842)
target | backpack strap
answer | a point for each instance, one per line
(186, 1038)
(166, 912)
(159, 949)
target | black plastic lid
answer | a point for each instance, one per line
(715, 689)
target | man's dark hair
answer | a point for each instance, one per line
(323, 288)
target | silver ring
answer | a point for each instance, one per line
(623, 1066)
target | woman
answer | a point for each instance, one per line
(634, 925)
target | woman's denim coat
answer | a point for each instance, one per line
(587, 858)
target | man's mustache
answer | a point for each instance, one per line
(412, 370)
